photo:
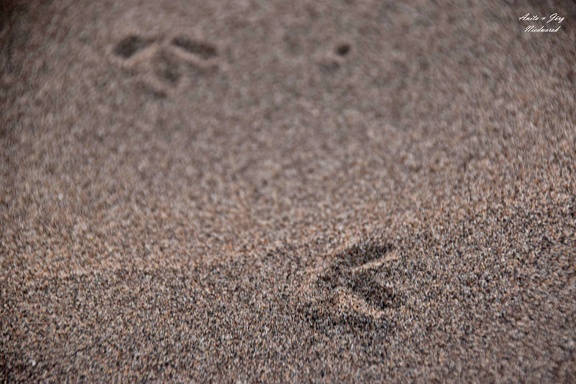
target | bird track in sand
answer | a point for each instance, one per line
(163, 65)
(347, 292)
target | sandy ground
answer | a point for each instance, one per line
(274, 191)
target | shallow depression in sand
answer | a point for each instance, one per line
(347, 293)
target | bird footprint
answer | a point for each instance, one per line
(128, 46)
(348, 293)
(163, 65)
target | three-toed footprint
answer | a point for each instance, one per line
(348, 292)
(163, 65)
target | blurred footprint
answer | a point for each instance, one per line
(130, 45)
(132, 49)
(160, 66)
(203, 50)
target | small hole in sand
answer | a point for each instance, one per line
(343, 49)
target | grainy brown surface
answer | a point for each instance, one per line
(326, 191)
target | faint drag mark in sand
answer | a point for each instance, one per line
(161, 65)
(347, 294)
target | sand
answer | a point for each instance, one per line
(304, 191)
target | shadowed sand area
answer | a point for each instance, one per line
(287, 191)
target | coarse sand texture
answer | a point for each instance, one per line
(288, 191)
